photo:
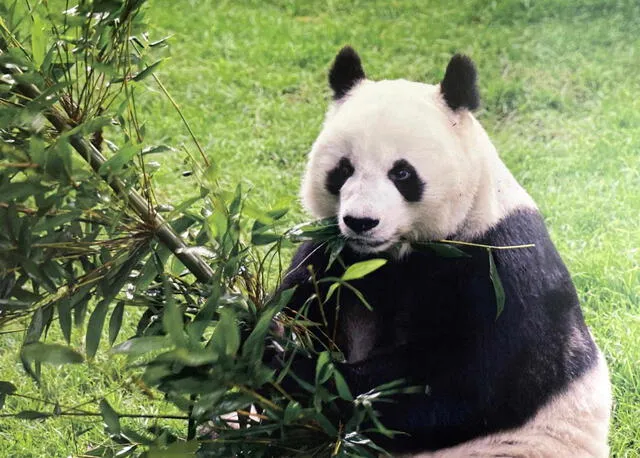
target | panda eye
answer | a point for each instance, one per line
(401, 174)
(346, 169)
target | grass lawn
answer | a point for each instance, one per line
(559, 82)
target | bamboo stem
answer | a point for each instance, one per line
(165, 233)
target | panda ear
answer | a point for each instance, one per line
(346, 72)
(459, 87)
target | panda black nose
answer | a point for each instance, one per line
(359, 225)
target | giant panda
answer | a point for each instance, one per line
(399, 163)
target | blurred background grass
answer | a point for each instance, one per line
(559, 83)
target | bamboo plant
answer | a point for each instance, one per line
(85, 245)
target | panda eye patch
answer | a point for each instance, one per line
(406, 180)
(337, 177)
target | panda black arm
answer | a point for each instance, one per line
(308, 256)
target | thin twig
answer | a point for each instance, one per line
(491, 247)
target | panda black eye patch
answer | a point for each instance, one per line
(406, 180)
(337, 176)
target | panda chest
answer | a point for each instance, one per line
(381, 324)
(359, 329)
(425, 300)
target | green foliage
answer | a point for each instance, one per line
(83, 244)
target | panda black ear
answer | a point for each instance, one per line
(346, 72)
(459, 87)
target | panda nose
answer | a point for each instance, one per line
(359, 225)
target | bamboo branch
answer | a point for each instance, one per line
(165, 233)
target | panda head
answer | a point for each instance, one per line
(399, 161)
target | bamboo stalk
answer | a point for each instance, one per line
(165, 233)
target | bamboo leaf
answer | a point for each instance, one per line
(115, 323)
(204, 317)
(95, 325)
(444, 250)
(7, 387)
(497, 284)
(324, 368)
(116, 163)
(64, 318)
(32, 415)
(175, 450)
(55, 354)
(254, 345)
(226, 336)
(334, 248)
(147, 71)
(292, 412)
(110, 417)
(341, 386)
(38, 41)
(142, 345)
(360, 269)
(172, 320)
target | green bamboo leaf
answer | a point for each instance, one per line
(142, 345)
(50, 353)
(111, 287)
(324, 368)
(359, 295)
(50, 223)
(175, 450)
(172, 320)
(36, 274)
(115, 323)
(205, 315)
(360, 269)
(225, 339)
(147, 71)
(444, 250)
(292, 412)
(32, 415)
(254, 345)
(38, 40)
(334, 248)
(325, 424)
(210, 175)
(95, 325)
(36, 326)
(156, 149)
(64, 318)
(497, 284)
(262, 237)
(7, 387)
(320, 230)
(12, 304)
(116, 163)
(188, 357)
(332, 289)
(110, 417)
(341, 386)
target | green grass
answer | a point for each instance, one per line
(560, 86)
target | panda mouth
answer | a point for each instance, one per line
(366, 243)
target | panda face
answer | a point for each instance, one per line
(391, 164)
(399, 161)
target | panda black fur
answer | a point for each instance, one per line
(400, 162)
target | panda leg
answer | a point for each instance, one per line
(574, 424)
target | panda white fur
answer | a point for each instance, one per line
(400, 162)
